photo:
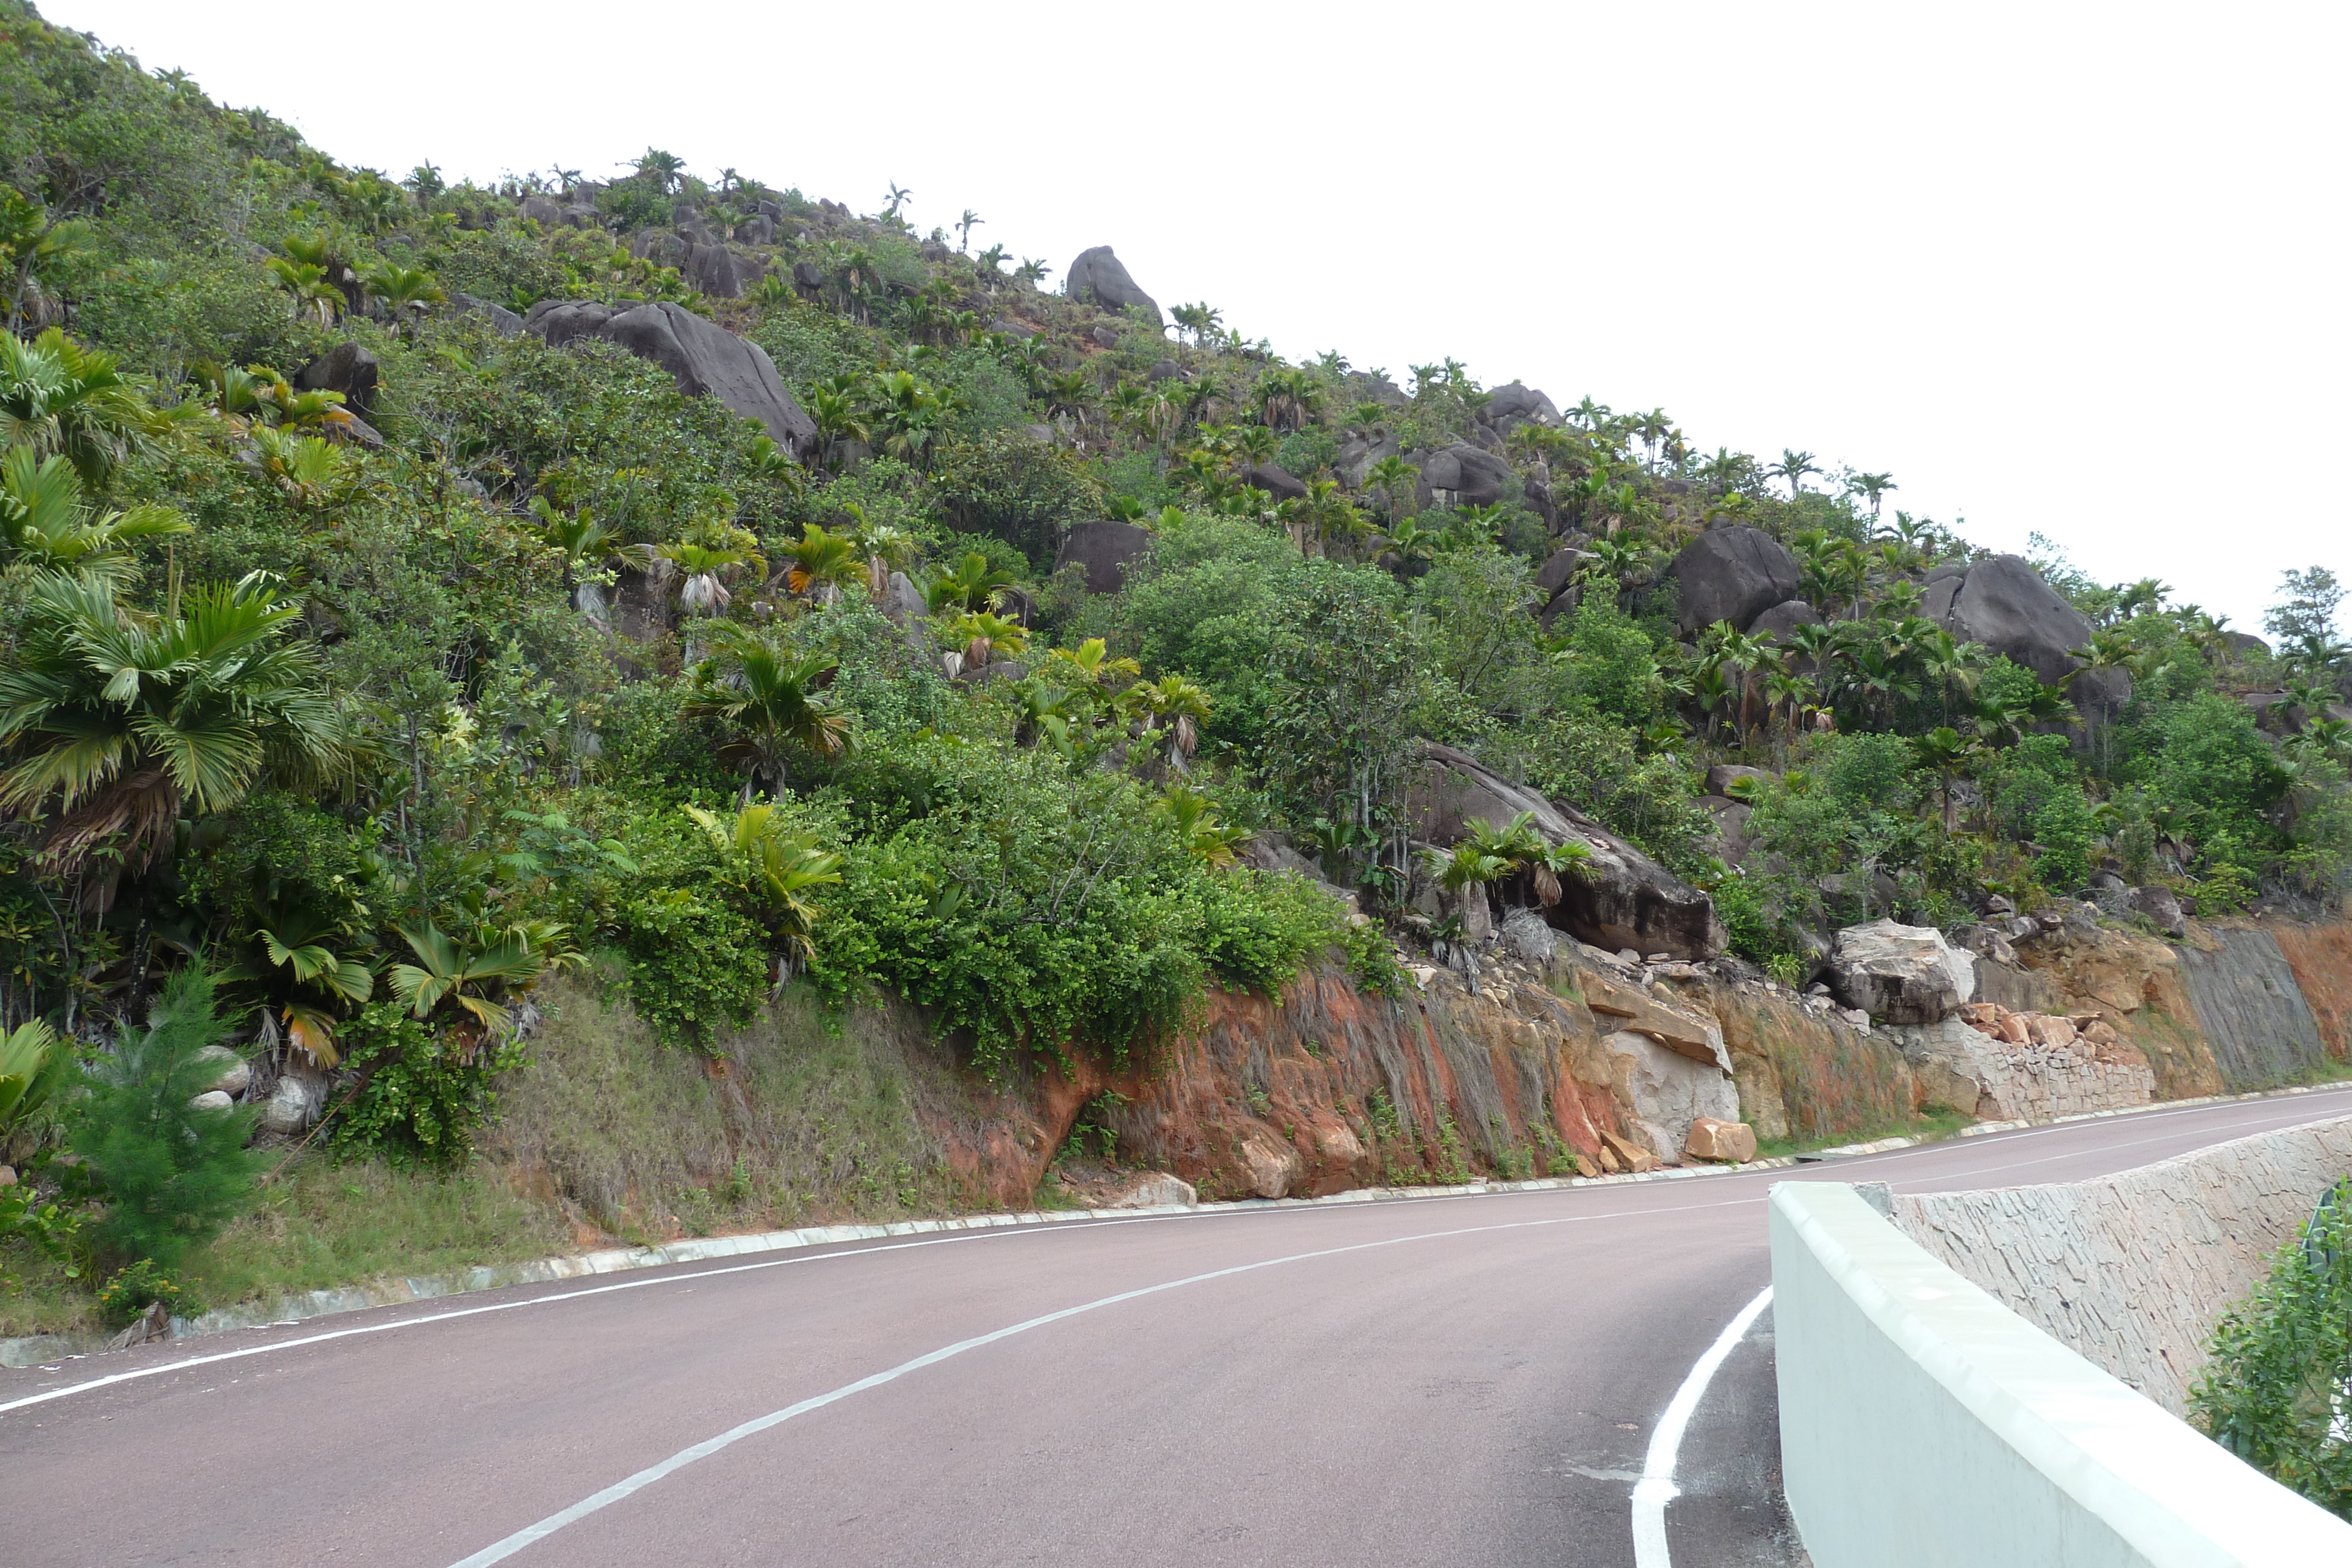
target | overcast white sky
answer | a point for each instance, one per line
(2072, 268)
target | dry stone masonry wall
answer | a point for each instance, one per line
(2133, 1270)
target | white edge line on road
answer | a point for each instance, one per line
(497, 1551)
(1091, 1222)
(1656, 1488)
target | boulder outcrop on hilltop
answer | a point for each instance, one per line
(1099, 277)
(1620, 899)
(704, 360)
(2003, 604)
(1733, 574)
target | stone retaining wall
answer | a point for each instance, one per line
(2133, 1270)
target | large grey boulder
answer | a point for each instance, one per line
(558, 321)
(1619, 898)
(1900, 974)
(542, 212)
(347, 369)
(712, 269)
(1559, 569)
(704, 360)
(1782, 619)
(1277, 482)
(1733, 574)
(1517, 402)
(1462, 476)
(2162, 905)
(1099, 277)
(505, 321)
(232, 1072)
(2004, 605)
(1105, 549)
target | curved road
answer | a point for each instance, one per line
(1468, 1381)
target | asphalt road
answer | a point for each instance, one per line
(1466, 1381)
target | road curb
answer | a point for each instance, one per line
(39, 1349)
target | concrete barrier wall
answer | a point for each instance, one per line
(1924, 1423)
(2133, 1270)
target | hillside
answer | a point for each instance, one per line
(709, 594)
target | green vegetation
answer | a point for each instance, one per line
(2275, 1391)
(413, 701)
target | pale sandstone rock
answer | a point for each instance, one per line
(1903, 974)
(1271, 1164)
(1715, 1140)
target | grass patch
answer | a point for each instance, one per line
(1931, 1126)
(319, 1225)
(805, 1118)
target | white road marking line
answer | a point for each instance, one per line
(637, 1284)
(1656, 1488)
(499, 1550)
(651, 1279)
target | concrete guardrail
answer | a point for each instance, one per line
(1924, 1423)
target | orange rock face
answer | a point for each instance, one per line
(2134, 985)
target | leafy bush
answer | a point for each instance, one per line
(421, 1101)
(2278, 1390)
(170, 1174)
(695, 963)
(1021, 490)
(132, 1290)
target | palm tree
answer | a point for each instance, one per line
(821, 560)
(113, 723)
(964, 225)
(970, 584)
(1412, 544)
(1171, 706)
(900, 197)
(1205, 836)
(985, 635)
(706, 569)
(1946, 751)
(58, 397)
(1069, 396)
(303, 979)
(838, 421)
(1793, 466)
(664, 167)
(1870, 488)
(776, 864)
(405, 292)
(769, 701)
(887, 548)
(1392, 477)
(1727, 470)
(465, 969)
(1289, 398)
(45, 525)
(309, 285)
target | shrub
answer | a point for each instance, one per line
(170, 1176)
(421, 1101)
(695, 963)
(1022, 491)
(141, 1285)
(2275, 1391)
